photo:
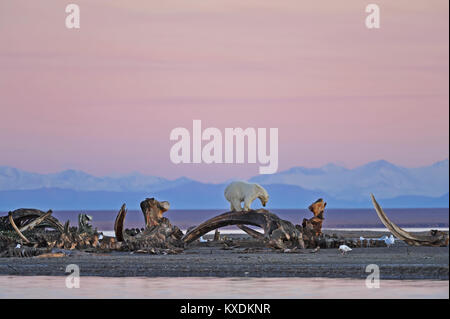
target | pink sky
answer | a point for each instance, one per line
(104, 98)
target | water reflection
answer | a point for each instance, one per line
(204, 287)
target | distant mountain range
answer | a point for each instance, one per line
(382, 178)
(15, 179)
(297, 187)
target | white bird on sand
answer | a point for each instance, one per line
(202, 240)
(344, 249)
(389, 240)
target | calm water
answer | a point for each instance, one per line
(195, 287)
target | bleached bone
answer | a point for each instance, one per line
(14, 226)
(436, 238)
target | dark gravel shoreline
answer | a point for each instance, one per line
(248, 259)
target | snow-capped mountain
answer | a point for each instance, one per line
(381, 177)
(15, 179)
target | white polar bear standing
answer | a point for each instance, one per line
(238, 192)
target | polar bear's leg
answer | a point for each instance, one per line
(247, 202)
(236, 205)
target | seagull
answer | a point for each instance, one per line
(389, 240)
(344, 249)
(202, 240)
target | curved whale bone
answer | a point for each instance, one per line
(153, 215)
(278, 233)
(13, 224)
(36, 222)
(27, 219)
(436, 238)
(255, 234)
(118, 224)
(158, 232)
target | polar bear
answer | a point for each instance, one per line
(239, 191)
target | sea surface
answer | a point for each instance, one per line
(334, 218)
(196, 287)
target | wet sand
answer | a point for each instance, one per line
(247, 259)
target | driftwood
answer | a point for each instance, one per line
(436, 238)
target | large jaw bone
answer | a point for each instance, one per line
(413, 240)
(278, 233)
(231, 218)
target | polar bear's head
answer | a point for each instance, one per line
(262, 195)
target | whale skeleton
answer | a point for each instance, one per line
(435, 238)
(278, 233)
